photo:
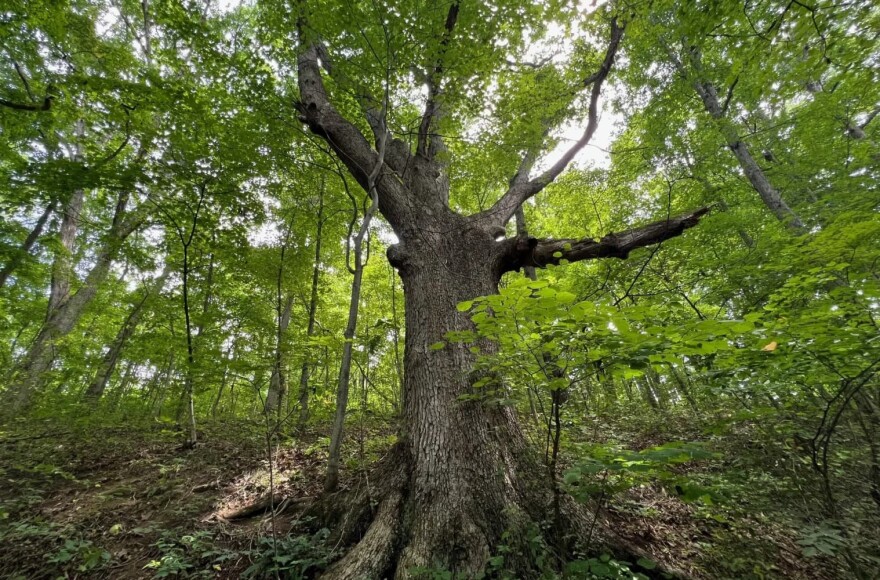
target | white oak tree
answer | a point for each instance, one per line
(463, 472)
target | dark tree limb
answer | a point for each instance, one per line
(28, 243)
(346, 140)
(429, 143)
(44, 106)
(524, 252)
(504, 208)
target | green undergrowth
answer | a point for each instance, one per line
(106, 499)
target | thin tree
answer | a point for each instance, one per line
(313, 309)
(186, 233)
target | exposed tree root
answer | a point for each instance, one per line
(373, 555)
(392, 533)
(262, 504)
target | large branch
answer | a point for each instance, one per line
(397, 154)
(342, 135)
(44, 106)
(523, 252)
(522, 189)
(430, 143)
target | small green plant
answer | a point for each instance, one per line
(179, 555)
(821, 540)
(81, 555)
(291, 556)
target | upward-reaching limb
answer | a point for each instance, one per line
(429, 143)
(521, 187)
(346, 140)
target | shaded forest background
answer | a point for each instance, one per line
(179, 257)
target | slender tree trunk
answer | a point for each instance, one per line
(313, 308)
(108, 363)
(125, 381)
(278, 381)
(186, 238)
(277, 394)
(188, 385)
(395, 332)
(27, 244)
(332, 480)
(216, 405)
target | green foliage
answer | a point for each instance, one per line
(291, 556)
(728, 377)
(81, 555)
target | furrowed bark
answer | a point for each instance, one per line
(468, 478)
(62, 267)
(349, 144)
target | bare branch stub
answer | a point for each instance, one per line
(522, 252)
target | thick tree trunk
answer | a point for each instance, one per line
(462, 477)
(464, 471)
(62, 267)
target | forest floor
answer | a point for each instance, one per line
(129, 502)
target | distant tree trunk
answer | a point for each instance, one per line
(188, 386)
(753, 172)
(648, 394)
(277, 393)
(108, 363)
(186, 234)
(27, 244)
(226, 356)
(62, 267)
(29, 373)
(124, 382)
(219, 397)
(278, 380)
(313, 308)
(684, 388)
